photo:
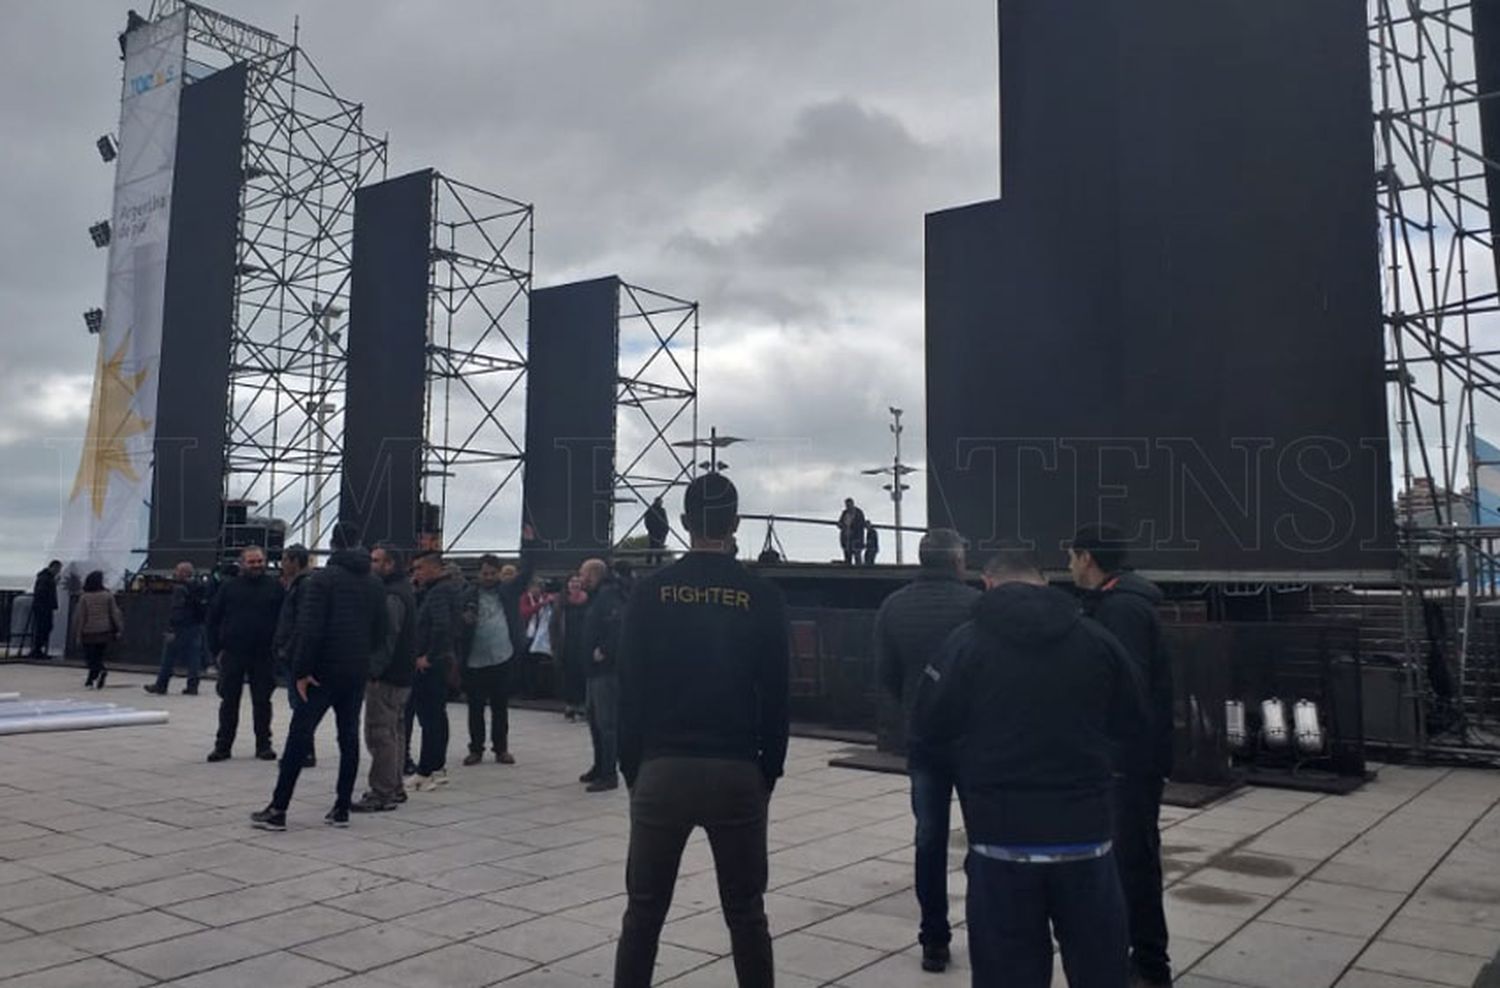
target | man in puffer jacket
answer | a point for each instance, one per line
(341, 623)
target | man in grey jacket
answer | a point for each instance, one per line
(910, 630)
(391, 670)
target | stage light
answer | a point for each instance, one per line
(99, 233)
(106, 146)
(94, 320)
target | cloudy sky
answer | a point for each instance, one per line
(772, 160)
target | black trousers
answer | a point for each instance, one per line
(728, 799)
(234, 670)
(429, 692)
(489, 687)
(344, 700)
(1138, 856)
(93, 655)
(41, 631)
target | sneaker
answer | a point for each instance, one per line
(424, 783)
(218, 755)
(337, 817)
(440, 777)
(269, 818)
(589, 776)
(602, 785)
(935, 958)
(188, 691)
(372, 804)
(505, 758)
(154, 689)
(266, 754)
(400, 797)
(474, 758)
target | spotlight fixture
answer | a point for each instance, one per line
(107, 149)
(94, 320)
(99, 233)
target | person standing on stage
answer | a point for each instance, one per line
(657, 530)
(1125, 604)
(910, 629)
(295, 569)
(704, 668)
(872, 543)
(1031, 700)
(341, 621)
(241, 625)
(44, 608)
(439, 615)
(184, 638)
(851, 532)
(391, 670)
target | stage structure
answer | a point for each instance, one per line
(1437, 102)
(305, 152)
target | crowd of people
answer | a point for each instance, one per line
(1048, 714)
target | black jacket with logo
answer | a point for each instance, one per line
(910, 630)
(341, 620)
(704, 666)
(1126, 606)
(1033, 699)
(242, 618)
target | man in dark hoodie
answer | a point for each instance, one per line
(1125, 603)
(241, 625)
(1031, 698)
(391, 670)
(704, 671)
(439, 615)
(296, 567)
(911, 627)
(340, 624)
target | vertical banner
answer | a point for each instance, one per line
(103, 523)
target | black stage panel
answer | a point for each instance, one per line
(386, 378)
(571, 381)
(187, 486)
(1170, 321)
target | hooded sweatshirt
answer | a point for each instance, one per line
(1031, 698)
(341, 621)
(1126, 606)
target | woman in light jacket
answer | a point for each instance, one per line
(97, 621)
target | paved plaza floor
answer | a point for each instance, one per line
(126, 860)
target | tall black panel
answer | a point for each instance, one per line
(571, 380)
(1486, 14)
(383, 419)
(1171, 320)
(197, 322)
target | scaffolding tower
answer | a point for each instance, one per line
(306, 151)
(1442, 326)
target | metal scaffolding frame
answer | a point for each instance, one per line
(1442, 312)
(306, 151)
(479, 299)
(657, 400)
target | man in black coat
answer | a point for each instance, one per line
(391, 670)
(910, 629)
(241, 626)
(851, 532)
(44, 608)
(340, 624)
(184, 637)
(1031, 699)
(601, 644)
(438, 623)
(657, 529)
(1125, 603)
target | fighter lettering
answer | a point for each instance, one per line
(720, 596)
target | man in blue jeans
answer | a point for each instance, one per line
(1031, 699)
(911, 627)
(184, 641)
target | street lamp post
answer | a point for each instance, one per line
(897, 471)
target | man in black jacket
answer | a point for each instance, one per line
(601, 643)
(44, 608)
(340, 624)
(657, 530)
(1125, 603)
(911, 627)
(391, 670)
(439, 615)
(184, 637)
(704, 671)
(295, 569)
(1031, 698)
(241, 625)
